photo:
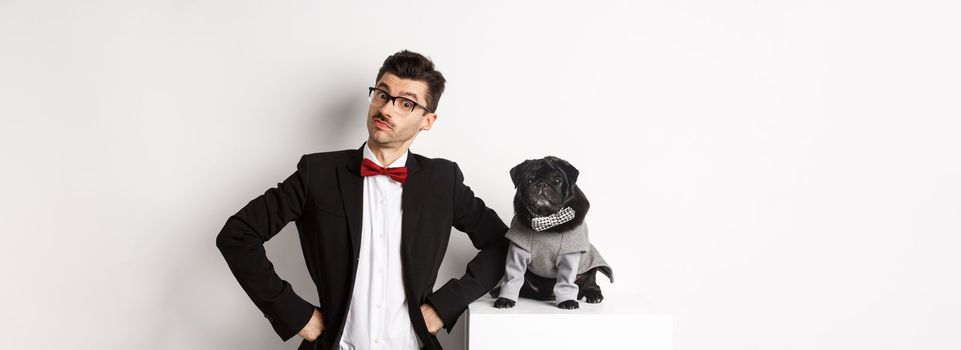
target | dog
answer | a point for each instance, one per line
(550, 256)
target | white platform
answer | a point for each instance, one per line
(615, 323)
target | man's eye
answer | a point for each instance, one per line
(382, 96)
(408, 104)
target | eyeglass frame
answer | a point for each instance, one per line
(393, 99)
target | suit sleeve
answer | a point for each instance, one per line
(241, 241)
(486, 232)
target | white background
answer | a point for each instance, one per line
(776, 175)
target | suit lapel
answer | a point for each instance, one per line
(352, 191)
(412, 199)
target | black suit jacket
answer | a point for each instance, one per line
(324, 197)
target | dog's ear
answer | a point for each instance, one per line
(567, 168)
(519, 170)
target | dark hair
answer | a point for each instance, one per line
(414, 66)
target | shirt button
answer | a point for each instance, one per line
(382, 201)
(376, 340)
(381, 235)
(378, 306)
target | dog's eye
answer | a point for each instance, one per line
(557, 181)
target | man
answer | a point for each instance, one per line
(374, 224)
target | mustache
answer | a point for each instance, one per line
(380, 117)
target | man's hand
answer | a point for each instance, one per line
(314, 327)
(432, 319)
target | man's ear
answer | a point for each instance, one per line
(519, 170)
(429, 121)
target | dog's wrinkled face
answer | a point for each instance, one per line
(544, 185)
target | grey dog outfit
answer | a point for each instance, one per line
(549, 255)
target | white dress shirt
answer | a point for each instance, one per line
(377, 317)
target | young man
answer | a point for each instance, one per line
(374, 224)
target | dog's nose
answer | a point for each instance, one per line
(542, 189)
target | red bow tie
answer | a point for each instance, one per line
(369, 168)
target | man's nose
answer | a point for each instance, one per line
(387, 110)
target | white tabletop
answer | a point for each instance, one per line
(620, 321)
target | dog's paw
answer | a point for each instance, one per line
(593, 296)
(503, 303)
(569, 305)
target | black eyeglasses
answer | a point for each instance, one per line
(378, 97)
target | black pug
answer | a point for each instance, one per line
(550, 255)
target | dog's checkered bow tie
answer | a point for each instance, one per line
(545, 222)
